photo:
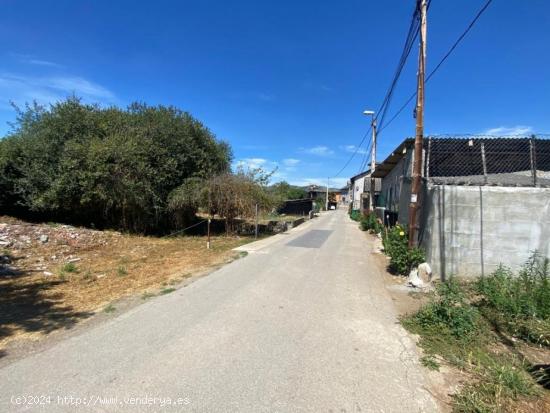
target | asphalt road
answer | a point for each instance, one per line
(302, 324)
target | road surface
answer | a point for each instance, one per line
(302, 324)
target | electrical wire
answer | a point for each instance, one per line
(353, 154)
(445, 57)
(412, 34)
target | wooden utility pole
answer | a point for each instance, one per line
(416, 186)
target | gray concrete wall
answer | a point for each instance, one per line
(469, 230)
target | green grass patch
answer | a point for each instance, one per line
(461, 323)
(430, 362)
(519, 304)
(69, 267)
(121, 271)
(110, 308)
(167, 290)
(146, 295)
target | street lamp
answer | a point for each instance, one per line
(373, 157)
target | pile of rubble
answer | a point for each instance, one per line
(37, 246)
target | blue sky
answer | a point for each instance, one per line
(285, 82)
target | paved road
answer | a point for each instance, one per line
(302, 324)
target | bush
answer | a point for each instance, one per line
(371, 223)
(396, 245)
(355, 215)
(112, 167)
(520, 304)
(448, 312)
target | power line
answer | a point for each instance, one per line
(353, 154)
(409, 42)
(445, 57)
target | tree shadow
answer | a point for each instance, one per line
(27, 305)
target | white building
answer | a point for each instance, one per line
(359, 190)
(357, 187)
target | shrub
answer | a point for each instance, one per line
(448, 312)
(355, 214)
(108, 166)
(396, 245)
(371, 223)
(520, 304)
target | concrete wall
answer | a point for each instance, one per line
(470, 230)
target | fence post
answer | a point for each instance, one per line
(256, 227)
(208, 232)
(533, 156)
(484, 163)
(427, 169)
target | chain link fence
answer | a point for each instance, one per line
(488, 160)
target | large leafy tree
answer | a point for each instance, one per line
(104, 166)
(283, 191)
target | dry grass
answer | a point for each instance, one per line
(107, 267)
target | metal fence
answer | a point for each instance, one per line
(488, 160)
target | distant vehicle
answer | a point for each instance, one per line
(332, 207)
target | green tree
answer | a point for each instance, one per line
(107, 166)
(283, 191)
(235, 195)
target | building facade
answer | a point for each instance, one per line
(485, 202)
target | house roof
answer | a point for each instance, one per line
(362, 174)
(384, 168)
(466, 160)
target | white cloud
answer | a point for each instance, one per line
(251, 163)
(319, 150)
(80, 85)
(40, 62)
(353, 149)
(290, 162)
(334, 182)
(514, 130)
(28, 59)
(21, 89)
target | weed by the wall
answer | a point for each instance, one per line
(355, 215)
(371, 223)
(396, 245)
(519, 304)
(452, 327)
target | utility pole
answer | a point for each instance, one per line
(372, 165)
(328, 180)
(416, 186)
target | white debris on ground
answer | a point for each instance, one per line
(39, 246)
(421, 277)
